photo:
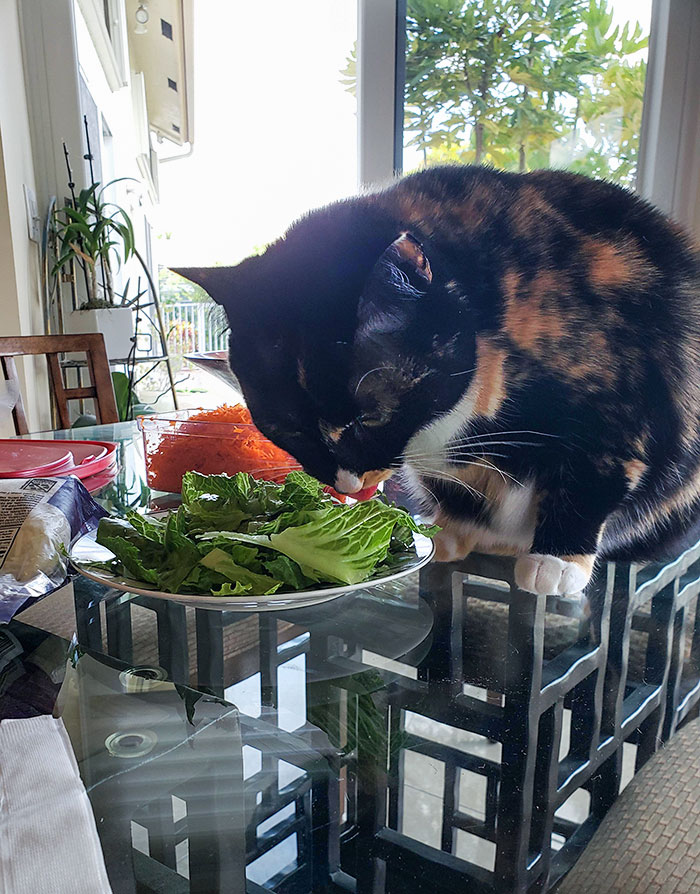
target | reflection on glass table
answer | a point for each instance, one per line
(444, 733)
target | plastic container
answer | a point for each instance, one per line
(20, 458)
(175, 443)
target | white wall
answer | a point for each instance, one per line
(20, 302)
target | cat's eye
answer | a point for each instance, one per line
(371, 420)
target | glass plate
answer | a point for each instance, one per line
(86, 551)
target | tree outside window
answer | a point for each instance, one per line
(524, 84)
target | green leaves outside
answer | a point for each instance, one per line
(523, 84)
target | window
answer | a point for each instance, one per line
(525, 85)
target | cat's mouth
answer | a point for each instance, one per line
(360, 487)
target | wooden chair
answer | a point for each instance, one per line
(92, 345)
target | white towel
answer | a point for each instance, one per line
(48, 837)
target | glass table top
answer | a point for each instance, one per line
(445, 732)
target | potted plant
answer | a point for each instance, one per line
(94, 237)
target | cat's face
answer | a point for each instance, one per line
(343, 355)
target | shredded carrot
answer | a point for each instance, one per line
(228, 443)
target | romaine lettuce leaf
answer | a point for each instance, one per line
(343, 546)
(301, 491)
(142, 558)
(228, 589)
(151, 528)
(165, 564)
(257, 584)
(207, 494)
(286, 570)
(292, 519)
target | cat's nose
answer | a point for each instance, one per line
(347, 482)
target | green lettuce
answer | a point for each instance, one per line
(221, 562)
(236, 535)
(165, 564)
(342, 546)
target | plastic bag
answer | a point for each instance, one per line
(39, 519)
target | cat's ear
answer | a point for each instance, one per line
(217, 282)
(407, 254)
(398, 281)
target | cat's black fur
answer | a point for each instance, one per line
(560, 314)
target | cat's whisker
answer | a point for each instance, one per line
(422, 485)
(430, 493)
(437, 456)
(486, 465)
(369, 373)
(477, 460)
(296, 468)
(464, 372)
(445, 476)
(476, 444)
(501, 434)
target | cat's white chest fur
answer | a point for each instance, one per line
(514, 517)
(512, 506)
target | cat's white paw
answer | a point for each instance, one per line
(552, 576)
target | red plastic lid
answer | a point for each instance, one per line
(95, 483)
(50, 459)
(20, 458)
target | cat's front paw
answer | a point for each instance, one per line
(552, 576)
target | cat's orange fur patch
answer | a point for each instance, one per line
(476, 209)
(531, 210)
(486, 481)
(608, 266)
(511, 284)
(531, 320)
(375, 477)
(419, 210)
(534, 321)
(453, 543)
(489, 382)
(596, 361)
(634, 470)
(615, 264)
(411, 251)
(335, 433)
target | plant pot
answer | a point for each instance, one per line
(115, 323)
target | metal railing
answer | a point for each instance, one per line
(193, 326)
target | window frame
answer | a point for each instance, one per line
(669, 148)
(381, 67)
(111, 48)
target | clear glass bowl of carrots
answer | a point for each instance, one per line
(210, 442)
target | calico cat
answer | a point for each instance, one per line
(525, 347)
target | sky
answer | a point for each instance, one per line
(275, 130)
